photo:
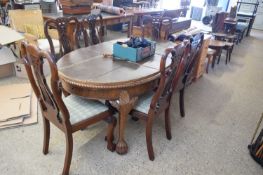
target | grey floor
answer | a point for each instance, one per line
(222, 109)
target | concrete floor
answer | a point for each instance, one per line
(222, 109)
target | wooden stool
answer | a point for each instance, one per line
(210, 56)
(218, 46)
(230, 39)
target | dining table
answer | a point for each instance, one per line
(88, 73)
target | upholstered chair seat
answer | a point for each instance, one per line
(81, 108)
(144, 102)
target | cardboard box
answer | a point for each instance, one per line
(133, 54)
(20, 70)
(7, 59)
(6, 70)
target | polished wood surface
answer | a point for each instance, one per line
(85, 72)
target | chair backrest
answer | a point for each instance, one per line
(196, 45)
(218, 22)
(18, 18)
(93, 29)
(51, 103)
(170, 74)
(156, 27)
(68, 30)
(233, 12)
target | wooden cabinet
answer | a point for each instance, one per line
(201, 60)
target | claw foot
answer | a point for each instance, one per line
(121, 147)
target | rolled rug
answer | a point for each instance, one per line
(111, 9)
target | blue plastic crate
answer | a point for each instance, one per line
(121, 52)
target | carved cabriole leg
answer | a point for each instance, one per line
(125, 105)
(68, 156)
(110, 137)
(46, 135)
(181, 103)
(168, 123)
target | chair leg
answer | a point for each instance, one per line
(227, 55)
(46, 135)
(149, 138)
(110, 134)
(213, 61)
(181, 103)
(219, 56)
(168, 124)
(68, 156)
(230, 53)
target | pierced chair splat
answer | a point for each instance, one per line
(68, 30)
(93, 33)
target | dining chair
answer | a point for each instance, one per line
(93, 34)
(187, 77)
(68, 30)
(69, 114)
(153, 103)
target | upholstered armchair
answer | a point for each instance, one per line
(31, 24)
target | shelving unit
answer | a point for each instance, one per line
(247, 9)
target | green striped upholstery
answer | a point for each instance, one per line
(144, 102)
(81, 108)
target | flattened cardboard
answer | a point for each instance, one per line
(24, 120)
(33, 112)
(9, 123)
(14, 108)
(14, 101)
(8, 35)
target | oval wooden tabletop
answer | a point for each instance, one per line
(87, 67)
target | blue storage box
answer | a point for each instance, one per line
(121, 52)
